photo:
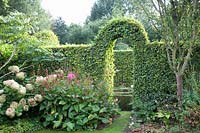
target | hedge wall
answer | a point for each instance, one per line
(153, 80)
(123, 68)
(70, 57)
(103, 55)
(73, 57)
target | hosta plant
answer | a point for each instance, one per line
(72, 103)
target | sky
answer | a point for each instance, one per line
(72, 11)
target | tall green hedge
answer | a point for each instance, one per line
(123, 68)
(71, 57)
(103, 53)
(153, 79)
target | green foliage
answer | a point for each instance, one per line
(123, 68)
(153, 86)
(73, 57)
(79, 34)
(13, 27)
(47, 37)
(100, 9)
(73, 103)
(3, 7)
(21, 126)
(61, 30)
(28, 54)
(117, 127)
(73, 34)
(6, 51)
(102, 51)
(32, 9)
(110, 9)
(153, 79)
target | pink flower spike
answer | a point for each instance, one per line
(71, 76)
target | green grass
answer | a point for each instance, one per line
(117, 127)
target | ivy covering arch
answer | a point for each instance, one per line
(103, 53)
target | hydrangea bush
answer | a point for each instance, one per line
(17, 96)
(62, 101)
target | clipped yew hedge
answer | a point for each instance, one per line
(153, 80)
(103, 53)
(123, 68)
(71, 57)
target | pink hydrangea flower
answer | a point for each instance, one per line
(71, 76)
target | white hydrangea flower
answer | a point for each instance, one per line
(51, 77)
(22, 102)
(1, 91)
(15, 85)
(12, 84)
(22, 90)
(8, 83)
(14, 69)
(14, 105)
(20, 75)
(40, 79)
(10, 112)
(29, 87)
(26, 108)
(32, 102)
(2, 98)
(38, 98)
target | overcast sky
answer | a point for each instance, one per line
(72, 11)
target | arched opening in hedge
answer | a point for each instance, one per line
(103, 53)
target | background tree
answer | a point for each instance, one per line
(3, 7)
(177, 21)
(13, 28)
(61, 30)
(101, 8)
(32, 8)
(78, 34)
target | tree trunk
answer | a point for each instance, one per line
(179, 83)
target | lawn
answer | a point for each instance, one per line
(117, 127)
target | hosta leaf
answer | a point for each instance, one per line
(65, 107)
(104, 120)
(56, 124)
(70, 125)
(92, 116)
(102, 110)
(62, 103)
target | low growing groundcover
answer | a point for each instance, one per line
(118, 126)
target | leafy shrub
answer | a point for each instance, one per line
(73, 103)
(192, 118)
(47, 37)
(25, 125)
(28, 53)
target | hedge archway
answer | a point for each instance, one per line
(102, 51)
